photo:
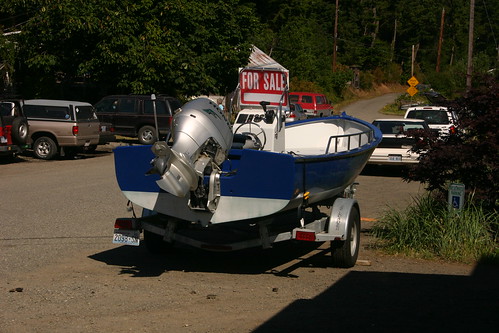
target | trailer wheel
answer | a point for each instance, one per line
(344, 253)
(155, 243)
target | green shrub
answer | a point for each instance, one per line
(428, 229)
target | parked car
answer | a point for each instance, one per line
(133, 115)
(60, 127)
(314, 105)
(106, 135)
(13, 129)
(295, 113)
(395, 146)
(437, 117)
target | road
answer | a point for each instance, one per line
(59, 271)
(380, 188)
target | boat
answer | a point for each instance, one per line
(202, 178)
(252, 175)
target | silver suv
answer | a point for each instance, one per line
(437, 117)
(60, 127)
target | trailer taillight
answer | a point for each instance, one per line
(124, 223)
(305, 236)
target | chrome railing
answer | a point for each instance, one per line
(369, 134)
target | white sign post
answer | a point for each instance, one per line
(456, 196)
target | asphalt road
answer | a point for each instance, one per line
(380, 188)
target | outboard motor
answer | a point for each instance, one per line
(202, 137)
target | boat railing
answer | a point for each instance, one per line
(353, 140)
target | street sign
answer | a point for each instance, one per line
(412, 91)
(413, 81)
(456, 196)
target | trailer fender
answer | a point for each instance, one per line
(340, 214)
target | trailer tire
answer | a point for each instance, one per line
(155, 243)
(344, 253)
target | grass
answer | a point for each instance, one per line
(428, 229)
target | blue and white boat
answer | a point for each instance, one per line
(209, 177)
(218, 176)
(222, 186)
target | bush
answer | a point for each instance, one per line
(428, 229)
(471, 156)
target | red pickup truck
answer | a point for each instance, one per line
(314, 104)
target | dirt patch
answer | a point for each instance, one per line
(287, 288)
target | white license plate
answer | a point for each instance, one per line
(87, 143)
(126, 237)
(396, 158)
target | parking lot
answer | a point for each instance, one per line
(60, 272)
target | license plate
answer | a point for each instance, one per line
(305, 236)
(87, 143)
(103, 128)
(126, 237)
(396, 158)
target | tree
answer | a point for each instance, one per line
(179, 47)
(470, 156)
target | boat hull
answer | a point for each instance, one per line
(252, 183)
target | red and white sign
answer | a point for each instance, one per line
(263, 85)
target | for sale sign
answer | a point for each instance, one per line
(259, 85)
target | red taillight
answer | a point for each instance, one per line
(452, 130)
(292, 115)
(75, 130)
(305, 236)
(123, 223)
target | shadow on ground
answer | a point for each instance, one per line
(397, 302)
(138, 262)
(385, 170)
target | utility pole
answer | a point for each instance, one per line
(394, 39)
(469, 71)
(437, 69)
(412, 61)
(335, 36)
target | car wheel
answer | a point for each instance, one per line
(44, 148)
(147, 135)
(20, 130)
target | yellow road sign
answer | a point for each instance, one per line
(413, 81)
(412, 91)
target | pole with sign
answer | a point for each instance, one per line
(413, 82)
(456, 196)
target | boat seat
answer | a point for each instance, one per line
(243, 141)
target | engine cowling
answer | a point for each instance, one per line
(202, 137)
